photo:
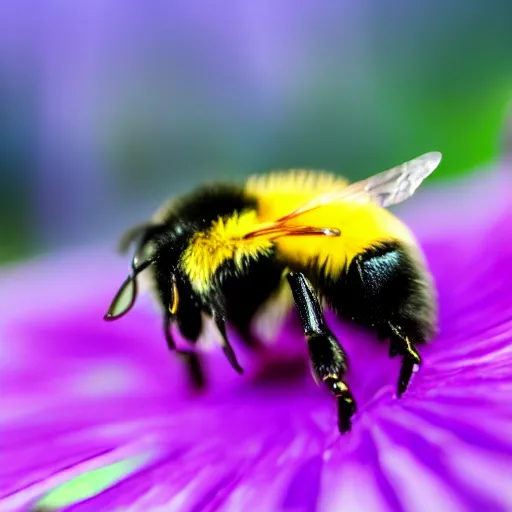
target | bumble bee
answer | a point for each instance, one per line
(223, 251)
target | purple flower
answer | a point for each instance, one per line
(98, 416)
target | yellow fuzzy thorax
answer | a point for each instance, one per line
(209, 249)
(362, 225)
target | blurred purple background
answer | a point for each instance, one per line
(107, 108)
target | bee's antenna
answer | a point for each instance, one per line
(127, 294)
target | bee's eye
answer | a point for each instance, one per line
(173, 307)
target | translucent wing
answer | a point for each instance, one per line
(385, 189)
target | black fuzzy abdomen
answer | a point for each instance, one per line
(385, 285)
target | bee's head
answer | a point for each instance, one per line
(157, 246)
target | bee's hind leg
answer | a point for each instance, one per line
(328, 359)
(400, 344)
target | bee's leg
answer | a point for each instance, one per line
(220, 322)
(195, 368)
(191, 358)
(328, 359)
(400, 344)
(167, 332)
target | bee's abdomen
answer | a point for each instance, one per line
(385, 284)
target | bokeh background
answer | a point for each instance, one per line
(107, 108)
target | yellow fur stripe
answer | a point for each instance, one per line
(297, 181)
(361, 225)
(208, 250)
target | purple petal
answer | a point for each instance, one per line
(107, 400)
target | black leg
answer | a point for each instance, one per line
(328, 359)
(195, 369)
(220, 322)
(401, 345)
(167, 332)
(191, 359)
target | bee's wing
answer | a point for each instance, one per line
(399, 183)
(385, 189)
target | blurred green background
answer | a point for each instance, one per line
(108, 108)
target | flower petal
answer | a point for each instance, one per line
(100, 413)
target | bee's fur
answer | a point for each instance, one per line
(257, 281)
(381, 283)
(385, 283)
